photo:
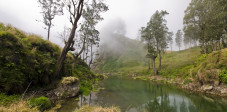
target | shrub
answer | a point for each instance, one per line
(85, 88)
(223, 76)
(6, 100)
(42, 103)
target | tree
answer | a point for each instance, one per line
(50, 8)
(64, 34)
(170, 39)
(179, 39)
(88, 31)
(75, 9)
(154, 35)
(205, 21)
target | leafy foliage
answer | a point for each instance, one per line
(223, 76)
(6, 100)
(154, 36)
(42, 103)
(205, 21)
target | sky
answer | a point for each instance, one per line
(134, 13)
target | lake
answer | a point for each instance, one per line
(145, 96)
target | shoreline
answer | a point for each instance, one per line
(210, 89)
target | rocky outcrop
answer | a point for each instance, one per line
(68, 87)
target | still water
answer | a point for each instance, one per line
(144, 96)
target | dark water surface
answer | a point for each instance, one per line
(144, 96)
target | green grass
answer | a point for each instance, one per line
(6, 100)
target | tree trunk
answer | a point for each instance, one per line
(87, 54)
(82, 49)
(149, 67)
(70, 40)
(65, 51)
(219, 44)
(48, 31)
(160, 61)
(223, 42)
(91, 58)
(223, 39)
(155, 72)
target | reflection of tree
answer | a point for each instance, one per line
(161, 104)
(183, 107)
(160, 101)
(192, 108)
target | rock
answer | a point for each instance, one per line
(69, 87)
(206, 87)
(217, 83)
(224, 91)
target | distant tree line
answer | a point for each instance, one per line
(205, 21)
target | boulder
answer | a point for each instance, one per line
(68, 87)
(207, 87)
(224, 91)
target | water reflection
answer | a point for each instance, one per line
(144, 96)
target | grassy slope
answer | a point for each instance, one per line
(208, 67)
(132, 59)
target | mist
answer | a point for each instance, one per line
(110, 34)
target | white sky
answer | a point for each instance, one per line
(135, 13)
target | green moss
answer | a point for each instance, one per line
(42, 103)
(68, 80)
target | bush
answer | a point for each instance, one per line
(223, 76)
(42, 103)
(6, 100)
(85, 88)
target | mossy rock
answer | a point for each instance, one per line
(69, 80)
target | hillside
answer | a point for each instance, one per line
(128, 57)
(121, 54)
(28, 64)
(28, 58)
(188, 68)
